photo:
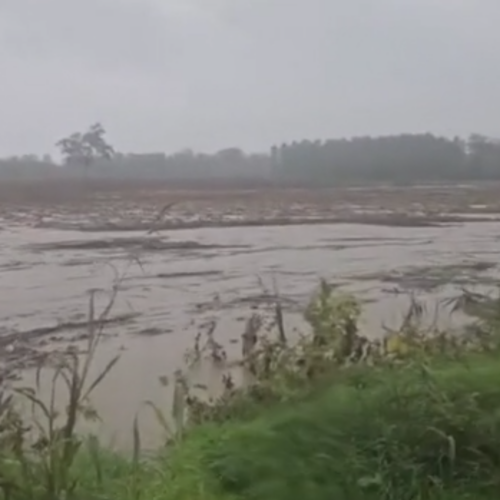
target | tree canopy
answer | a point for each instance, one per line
(405, 158)
(85, 148)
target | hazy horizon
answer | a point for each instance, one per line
(209, 74)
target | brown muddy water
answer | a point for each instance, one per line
(190, 277)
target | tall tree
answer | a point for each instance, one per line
(83, 149)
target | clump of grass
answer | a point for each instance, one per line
(414, 433)
(330, 414)
(415, 416)
(277, 368)
(37, 462)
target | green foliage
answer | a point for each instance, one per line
(335, 415)
(279, 370)
(43, 468)
(418, 432)
(331, 414)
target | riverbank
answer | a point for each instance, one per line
(406, 435)
(332, 416)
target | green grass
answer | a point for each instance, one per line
(408, 433)
(421, 423)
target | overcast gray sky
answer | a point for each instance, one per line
(168, 74)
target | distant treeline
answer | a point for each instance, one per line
(406, 158)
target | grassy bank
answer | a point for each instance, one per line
(332, 416)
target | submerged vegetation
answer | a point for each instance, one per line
(330, 414)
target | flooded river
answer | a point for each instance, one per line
(174, 285)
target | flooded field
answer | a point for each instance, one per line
(225, 259)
